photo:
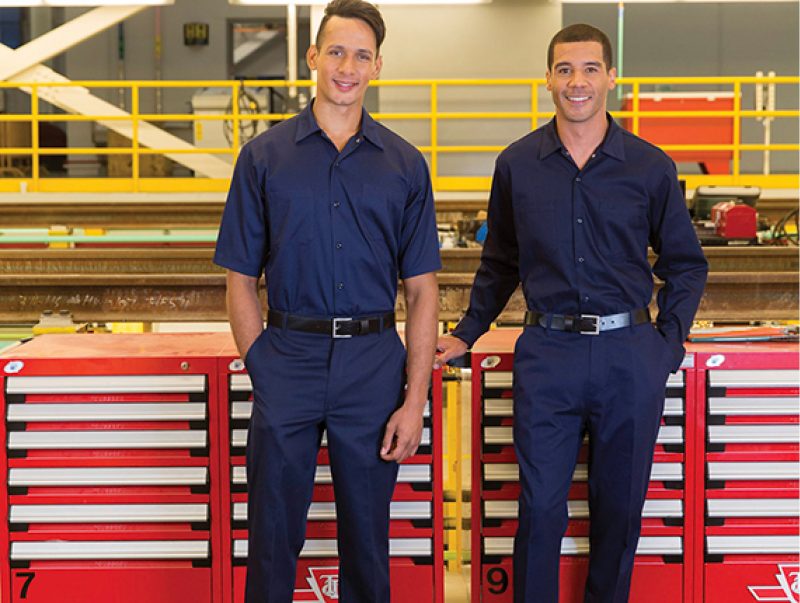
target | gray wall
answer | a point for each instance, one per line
(96, 58)
(711, 39)
(505, 39)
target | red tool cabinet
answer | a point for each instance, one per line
(661, 557)
(722, 514)
(123, 478)
(751, 544)
(416, 530)
(108, 479)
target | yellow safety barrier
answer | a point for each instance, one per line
(435, 149)
(453, 486)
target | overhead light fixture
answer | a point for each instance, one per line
(93, 3)
(324, 2)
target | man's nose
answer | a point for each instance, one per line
(577, 79)
(347, 65)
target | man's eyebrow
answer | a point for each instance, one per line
(342, 47)
(586, 64)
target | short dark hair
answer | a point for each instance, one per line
(580, 32)
(355, 9)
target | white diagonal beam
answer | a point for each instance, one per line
(77, 99)
(64, 37)
(80, 100)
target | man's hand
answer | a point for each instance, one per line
(448, 347)
(403, 433)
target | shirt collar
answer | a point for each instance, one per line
(612, 144)
(307, 125)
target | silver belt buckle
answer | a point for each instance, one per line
(335, 328)
(596, 319)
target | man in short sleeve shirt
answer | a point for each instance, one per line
(333, 208)
(573, 208)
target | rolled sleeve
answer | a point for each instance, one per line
(243, 239)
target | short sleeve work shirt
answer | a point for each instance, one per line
(332, 231)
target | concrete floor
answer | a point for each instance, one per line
(456, 586)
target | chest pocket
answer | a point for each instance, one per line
(623, 226)
(380, 211)
(292, 215)
(540, 222)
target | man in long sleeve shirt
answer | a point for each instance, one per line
(572, 210)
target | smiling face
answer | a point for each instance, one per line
(345, 62)
(579, 81)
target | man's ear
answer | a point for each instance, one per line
(376, 73)
(311, 57)
(612, 78)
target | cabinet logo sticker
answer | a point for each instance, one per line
(324, 583)
(788, 589)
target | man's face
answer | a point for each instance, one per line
(579, 81)
(346, 61)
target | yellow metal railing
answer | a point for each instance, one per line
(432, 114)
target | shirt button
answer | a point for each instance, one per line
(578, 179)
(358, 141)
(594, 155)
(336, 204)
(580, 260)
(580, 220)
(338, 244)
(586, 298)
(340, 286)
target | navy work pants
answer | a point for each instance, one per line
(567, 384)
(303, 384)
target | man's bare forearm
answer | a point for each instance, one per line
(422, 313)
(244, 310)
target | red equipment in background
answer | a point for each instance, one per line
(416, 528)
(748, 394)
(734, 220)
(122, 478)
(108, 477)
(720, 522)
(688, 130)
(665, 553)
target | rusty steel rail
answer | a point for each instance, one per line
(182, 260)
(729, 297)
(166, 212)
(746, 258)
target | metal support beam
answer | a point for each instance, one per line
(291, 47)
(22, 65)
(729, 297)
(63, 38)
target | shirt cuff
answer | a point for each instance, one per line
(671, 334)
(237, 266)
(468, 331)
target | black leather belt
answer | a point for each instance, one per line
(587, 324)
(337, 328)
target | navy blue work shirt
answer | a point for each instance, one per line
(331, 230)
(578, 239)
